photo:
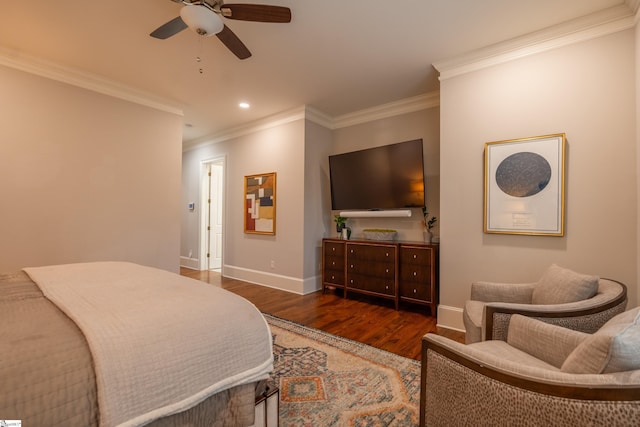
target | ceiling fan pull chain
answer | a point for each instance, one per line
(198, 58)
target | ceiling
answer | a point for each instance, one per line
(335, 56)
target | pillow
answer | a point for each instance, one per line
(613, 348)
(547, 342)
(560, 285)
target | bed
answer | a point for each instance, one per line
(120, 344)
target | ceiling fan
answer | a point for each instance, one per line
(204, 18)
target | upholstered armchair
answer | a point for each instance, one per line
(541, 375)
(561, 297)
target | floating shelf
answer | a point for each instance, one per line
(401, 213)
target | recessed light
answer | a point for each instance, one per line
(244, 105)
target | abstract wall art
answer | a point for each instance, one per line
(260, 203)
(524, 186)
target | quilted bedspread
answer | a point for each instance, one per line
(46, 369)
(160, 342)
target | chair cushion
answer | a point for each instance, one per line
(560, 285)
(505, 352)
(613, 348)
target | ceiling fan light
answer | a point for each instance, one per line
(201, 20)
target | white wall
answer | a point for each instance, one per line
(85, 177)
(249, 257)
(582, 90)
(422, 124)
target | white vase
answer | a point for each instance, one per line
(427, 236)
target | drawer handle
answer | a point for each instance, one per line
(415, 291)
(415, 256)
(387, 254)
(333, 277)
(415, 274)
(333, 263)
(387, 270)
(351, 250)
(333, 249)
(351, 281)
(387, 287)
(351, 266)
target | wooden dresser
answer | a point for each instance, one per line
(396, 270)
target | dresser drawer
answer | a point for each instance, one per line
(385, 270)
(334, 249)
(415, 291)
(415, 273)
(416, 256)
(335, 277)
(371, 284)
(371, 253)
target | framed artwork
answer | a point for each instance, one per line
(524, 186)
(260, 203)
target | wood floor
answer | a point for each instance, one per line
(368, 320)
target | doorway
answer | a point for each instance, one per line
(212, 218)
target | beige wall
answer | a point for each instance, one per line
(420, 124)
(317, 200)
(637, 121)
(298, 151)
(85, 177)
(582, 90)
(249, 257)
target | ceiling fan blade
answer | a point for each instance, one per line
(169, 29)
(256, 12)
(233, 43)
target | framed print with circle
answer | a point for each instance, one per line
(524, 186)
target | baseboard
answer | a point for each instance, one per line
(270, 280)
(450, 318)
(191, 263)
(311, 284)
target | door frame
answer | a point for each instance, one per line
(202, 229)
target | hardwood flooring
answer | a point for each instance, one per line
(372, 321)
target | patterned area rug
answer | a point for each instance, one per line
(325, 380)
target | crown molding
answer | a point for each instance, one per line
(318, 117)
(285, 117)
(391, 109)
(92, 82)
(404, 106)
(633, 5)
(599, 24)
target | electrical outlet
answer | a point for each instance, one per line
(190, 253)
(273, 264)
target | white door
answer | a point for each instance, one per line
(215, 233)
(212, 218)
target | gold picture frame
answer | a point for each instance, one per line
(260, 203)
(524, 186)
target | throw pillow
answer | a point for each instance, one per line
(560, 285)
(613, 348)
(544, 341)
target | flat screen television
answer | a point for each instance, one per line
(387, 177)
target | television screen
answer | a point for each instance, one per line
(387, 177)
